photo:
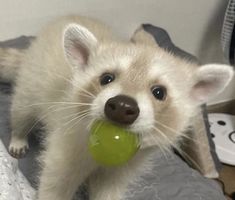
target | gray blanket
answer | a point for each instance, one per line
(171, 178)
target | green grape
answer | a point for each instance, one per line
(112, 145)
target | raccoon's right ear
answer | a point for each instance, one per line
(210, 80)
(78, 43)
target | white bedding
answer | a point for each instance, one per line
(13, 184)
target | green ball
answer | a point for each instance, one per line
(111, 145)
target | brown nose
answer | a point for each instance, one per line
(122, 109)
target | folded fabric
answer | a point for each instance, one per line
(13, 184)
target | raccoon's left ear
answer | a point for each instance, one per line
(210, 80)
(78, 43)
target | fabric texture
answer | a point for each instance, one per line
(171, 178)
(13, 184)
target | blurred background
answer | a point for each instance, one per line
(194, 26)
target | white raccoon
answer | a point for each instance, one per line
(76, 72)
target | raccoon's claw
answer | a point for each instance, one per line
(18, 148)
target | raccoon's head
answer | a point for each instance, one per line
(142, 88)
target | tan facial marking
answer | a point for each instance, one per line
(135, 77)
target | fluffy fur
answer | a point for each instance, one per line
(57, 83)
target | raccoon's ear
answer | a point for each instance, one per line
(210, 79)
(141, 36)
(78, 43)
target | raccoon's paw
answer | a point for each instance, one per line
(18, 148)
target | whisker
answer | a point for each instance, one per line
(75, 118)
(87, 92)
(161, 147)
(86, 95)
(55, 74)
(68, 122)
(189, 158)
(172, 130)
(167, 127)
(49, 110)
(178, 149)
(77, 122)
(70, 81)
(54, 103)
(90, 123)
(98, 127)
(42, 117)
(75, 114)
(181, 134)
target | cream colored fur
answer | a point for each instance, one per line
(58, 84)
(9, 63)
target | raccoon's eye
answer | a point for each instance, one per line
(159, 92)
(106, 78)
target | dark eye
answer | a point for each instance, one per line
(159, 92)
(106, 78)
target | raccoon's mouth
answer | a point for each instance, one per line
(122, 125)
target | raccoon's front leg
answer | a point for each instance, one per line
(66, 164)
(112, 183)
(22, 120)
(104, 185)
